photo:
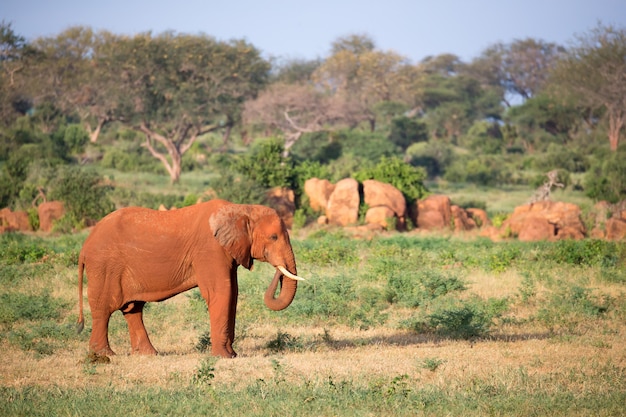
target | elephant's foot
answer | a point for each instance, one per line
(223, 352)
(105, 351)
(144, 350)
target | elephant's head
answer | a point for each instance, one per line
(249, 232)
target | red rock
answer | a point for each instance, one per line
(48, 213)
(318, 191)
(536, 228)
(461, 219)
(387, 201)
(14, 221)
(615, 229)
(381, 215)
(530, 221)
(480, 217)
(343, 204)
(434, 212)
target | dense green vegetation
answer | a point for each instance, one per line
(565, 295)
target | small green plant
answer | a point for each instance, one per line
(283, 341)
(204, 342)
(205, 373)
(432, 364)
(466, 319)
(527, 288)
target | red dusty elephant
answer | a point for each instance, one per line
(137, 255)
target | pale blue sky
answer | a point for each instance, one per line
(295, 29)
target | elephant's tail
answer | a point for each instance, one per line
(81, 318)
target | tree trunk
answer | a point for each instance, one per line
(616, 122)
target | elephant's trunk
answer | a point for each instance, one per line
(288, 288)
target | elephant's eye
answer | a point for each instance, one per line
(274, 237)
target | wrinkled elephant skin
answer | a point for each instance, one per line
(137, 255)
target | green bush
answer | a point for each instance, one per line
(484, 138)
(563, 177)
(43, 337)
(238, 188)
(266, 166)
(482, 170)
(83, 192)
(567, 158)
(587, 252)
(569, 306)
(124, 197)
(318, 147)
(413, 290)
(406, 131)
(465, 319)
(17, 306)
(370, 146)
(606, 179)
(18, 248)
(406, 178)
(432, 156)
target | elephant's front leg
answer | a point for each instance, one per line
(139, 340)
(221, 297)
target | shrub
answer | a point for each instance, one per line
(237, 188)
(466, 319)
(482, 170)
(205, 373)
(406, 131)
(415, 290)
(432, 156)
(17, 306)
(566, 158)
(266, 166)
(587, 252)
(406, 178)
(569, 306)
(606, 179)
(316, 147)
(370, 146)
(283, 341)
(83, 192)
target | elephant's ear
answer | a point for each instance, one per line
(232, 229)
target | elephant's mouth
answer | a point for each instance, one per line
(288, 274)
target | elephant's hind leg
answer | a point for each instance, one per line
(139, 340)
(99, 340)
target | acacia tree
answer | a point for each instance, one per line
(594, 73)
(65, 74)
(520, 68)
(179, 87)
(360, 78)
(293, 109)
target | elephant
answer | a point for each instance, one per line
(137, 255)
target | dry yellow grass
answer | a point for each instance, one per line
(361, 357)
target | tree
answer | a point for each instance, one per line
(359, 77)
(594, 72)
(293, 109)
(67, 74)
(13, 52)
(520, 67)
(452, 98)
(179, 87)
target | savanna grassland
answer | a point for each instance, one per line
(400, 324)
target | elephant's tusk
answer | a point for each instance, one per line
(288, 274)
